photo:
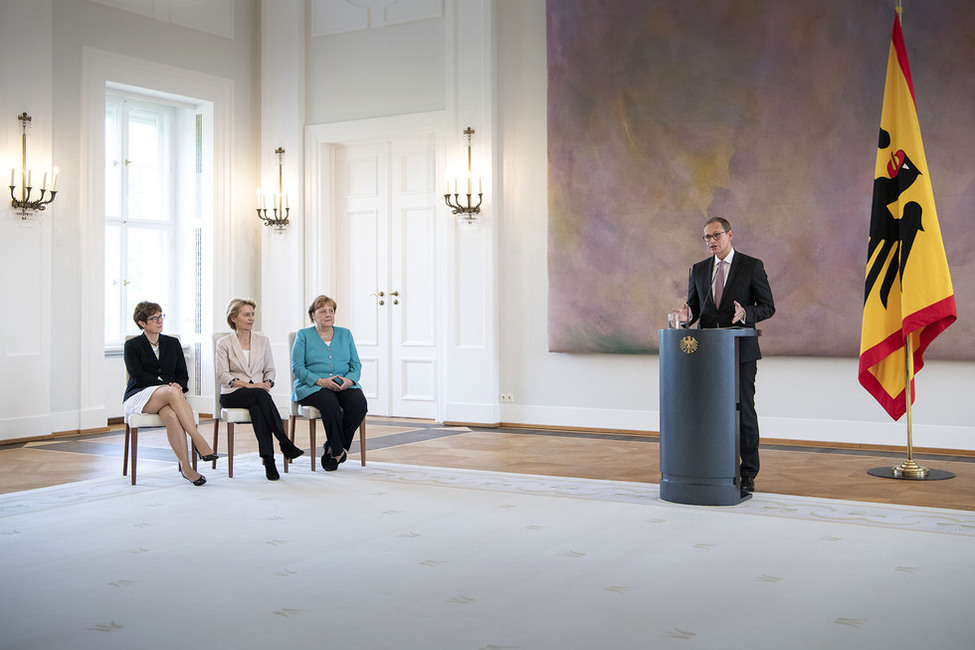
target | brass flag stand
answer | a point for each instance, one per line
(910, 470)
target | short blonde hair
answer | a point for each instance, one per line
(318, 303)
(234, 307)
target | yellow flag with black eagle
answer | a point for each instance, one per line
(908, 295)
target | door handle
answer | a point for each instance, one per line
(395, 300)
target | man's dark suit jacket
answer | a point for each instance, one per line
(146, 370)
(746, 283)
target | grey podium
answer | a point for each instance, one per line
(699, 416)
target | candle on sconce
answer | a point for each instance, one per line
(44, 182)
(11, 177)
(28, 178)
(54, 183)
(479, 190)
(286, 202)
(468, 185)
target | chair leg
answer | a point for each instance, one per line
(314, 445)
(125, 451)
(134, 449)
(216, 432)
(362, 442)
(291, 436)
(230, 450)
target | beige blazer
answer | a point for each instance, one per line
(230, 362)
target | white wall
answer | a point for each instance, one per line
(53, 364)
(484, 64)
(798, 398)
(375, 69)
(26, 247)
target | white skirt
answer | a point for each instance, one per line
(137, 402)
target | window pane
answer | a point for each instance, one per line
(146, 167)
(149, 273)
(113, 284)
(145, 194)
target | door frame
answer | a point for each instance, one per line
(319, 271)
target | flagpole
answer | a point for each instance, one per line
(909, 469)
(878, 361)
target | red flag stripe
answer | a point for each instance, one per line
(897, 40)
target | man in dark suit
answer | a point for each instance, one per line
(725, 290)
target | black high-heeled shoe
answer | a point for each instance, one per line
(270, 470)
(209, 457)
(198, 482)
(290, 450)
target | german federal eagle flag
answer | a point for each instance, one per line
(908, 294)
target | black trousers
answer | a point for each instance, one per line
(342, 412)
(748, 419)
(265, 417)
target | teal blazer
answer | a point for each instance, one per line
(312, 359)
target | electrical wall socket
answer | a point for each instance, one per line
(507, 397)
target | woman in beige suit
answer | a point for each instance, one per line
(245, 372)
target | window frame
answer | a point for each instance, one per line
(128, 226)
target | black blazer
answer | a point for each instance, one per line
(146, 370)
(747, 284)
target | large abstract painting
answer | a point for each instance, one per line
(663, 113)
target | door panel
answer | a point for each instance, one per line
(385, 256)
(413, 277)
(360, 265)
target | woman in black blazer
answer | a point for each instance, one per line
(157, 381)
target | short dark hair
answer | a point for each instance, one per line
(725, 226)
(143, 311)
(234, 307)
(318, 303)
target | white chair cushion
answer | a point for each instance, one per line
(139, 420)
(235, 415)
(309, 412)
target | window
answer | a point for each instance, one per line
(140, 221)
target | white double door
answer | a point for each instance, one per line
(385, 253)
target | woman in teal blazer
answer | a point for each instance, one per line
(326, 368)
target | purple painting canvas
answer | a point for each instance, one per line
(663, 113)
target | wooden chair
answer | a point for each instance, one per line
(311, 414)
(136, 421)
(231, 416)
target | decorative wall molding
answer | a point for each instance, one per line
(329, 17)
(210, 16)
(215, 97)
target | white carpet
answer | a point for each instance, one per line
(395, 556)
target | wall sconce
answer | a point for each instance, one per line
(24, 204)
(465, 212)
(279, 201)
